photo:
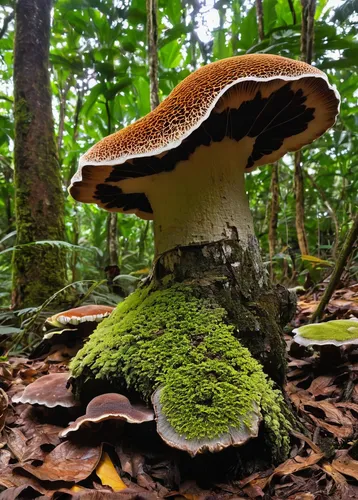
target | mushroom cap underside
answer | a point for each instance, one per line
(281, 104)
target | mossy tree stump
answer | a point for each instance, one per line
(205, 328)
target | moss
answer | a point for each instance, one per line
(172, 338)
(339, 330)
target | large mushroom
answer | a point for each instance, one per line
(183, 165)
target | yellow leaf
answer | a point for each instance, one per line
(146, 270)
(316, 260)
(108, 475)
(76, 488)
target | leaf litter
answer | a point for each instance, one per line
(120, 462)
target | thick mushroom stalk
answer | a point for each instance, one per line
(203, 199)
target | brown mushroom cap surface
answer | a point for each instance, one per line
(49, 390)
(279, 103)
(110, 406)
(235, 437)
(91, 313)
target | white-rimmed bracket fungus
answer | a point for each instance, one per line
(71, 326)
(93, 313)
(110, 406)
(209, 300)
(328, 338)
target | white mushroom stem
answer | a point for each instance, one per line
(203, 199)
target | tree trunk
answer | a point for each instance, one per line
(274, 209)
(112, 239)
(201, 322)
(300, 207)
(307, 37)
(152, 35)
(260, 19)
(38, 270)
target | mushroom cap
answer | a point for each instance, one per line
(235, 437)
(110, 406)
(337, 332)
(281, 104)
(90, 313)
(49, 390)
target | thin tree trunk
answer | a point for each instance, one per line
(112, 239)
(38, 270)
(274, 209)
(300, 210)
(307, 36)
(331, 213)
(152, 36)
(260, 19)
(338, 269)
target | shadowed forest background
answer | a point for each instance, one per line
(100, 82)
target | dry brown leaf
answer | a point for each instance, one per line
(298, 463)
(307, 440)
(4, 403)
(68, 462)
(16, 442)
(108, 475)
(322, 385)
(345, 464)
(339, 480)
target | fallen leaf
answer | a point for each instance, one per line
(296, 464)
(322, 386)
(16, 442)
(345, 464)
(108, 475)
(68, 462)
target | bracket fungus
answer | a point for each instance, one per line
(207, 318)
(337, 332)
(50, 391)
(328, 337)
(110, 406)
(93, 313)
(235, 436)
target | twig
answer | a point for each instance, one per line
(7, 21)
(338, 269)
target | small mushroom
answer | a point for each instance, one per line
(328, 337)
(110, 406)
(235, 437)
(92, 314)
(74, 324)
(49, 390)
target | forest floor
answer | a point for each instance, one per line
(36, 463)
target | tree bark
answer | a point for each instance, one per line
(38, 270)
(307, 38)
(260, 19)
(152, 36)
(274, 209)
(254, 306)
(300, 206)
(112, 239)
